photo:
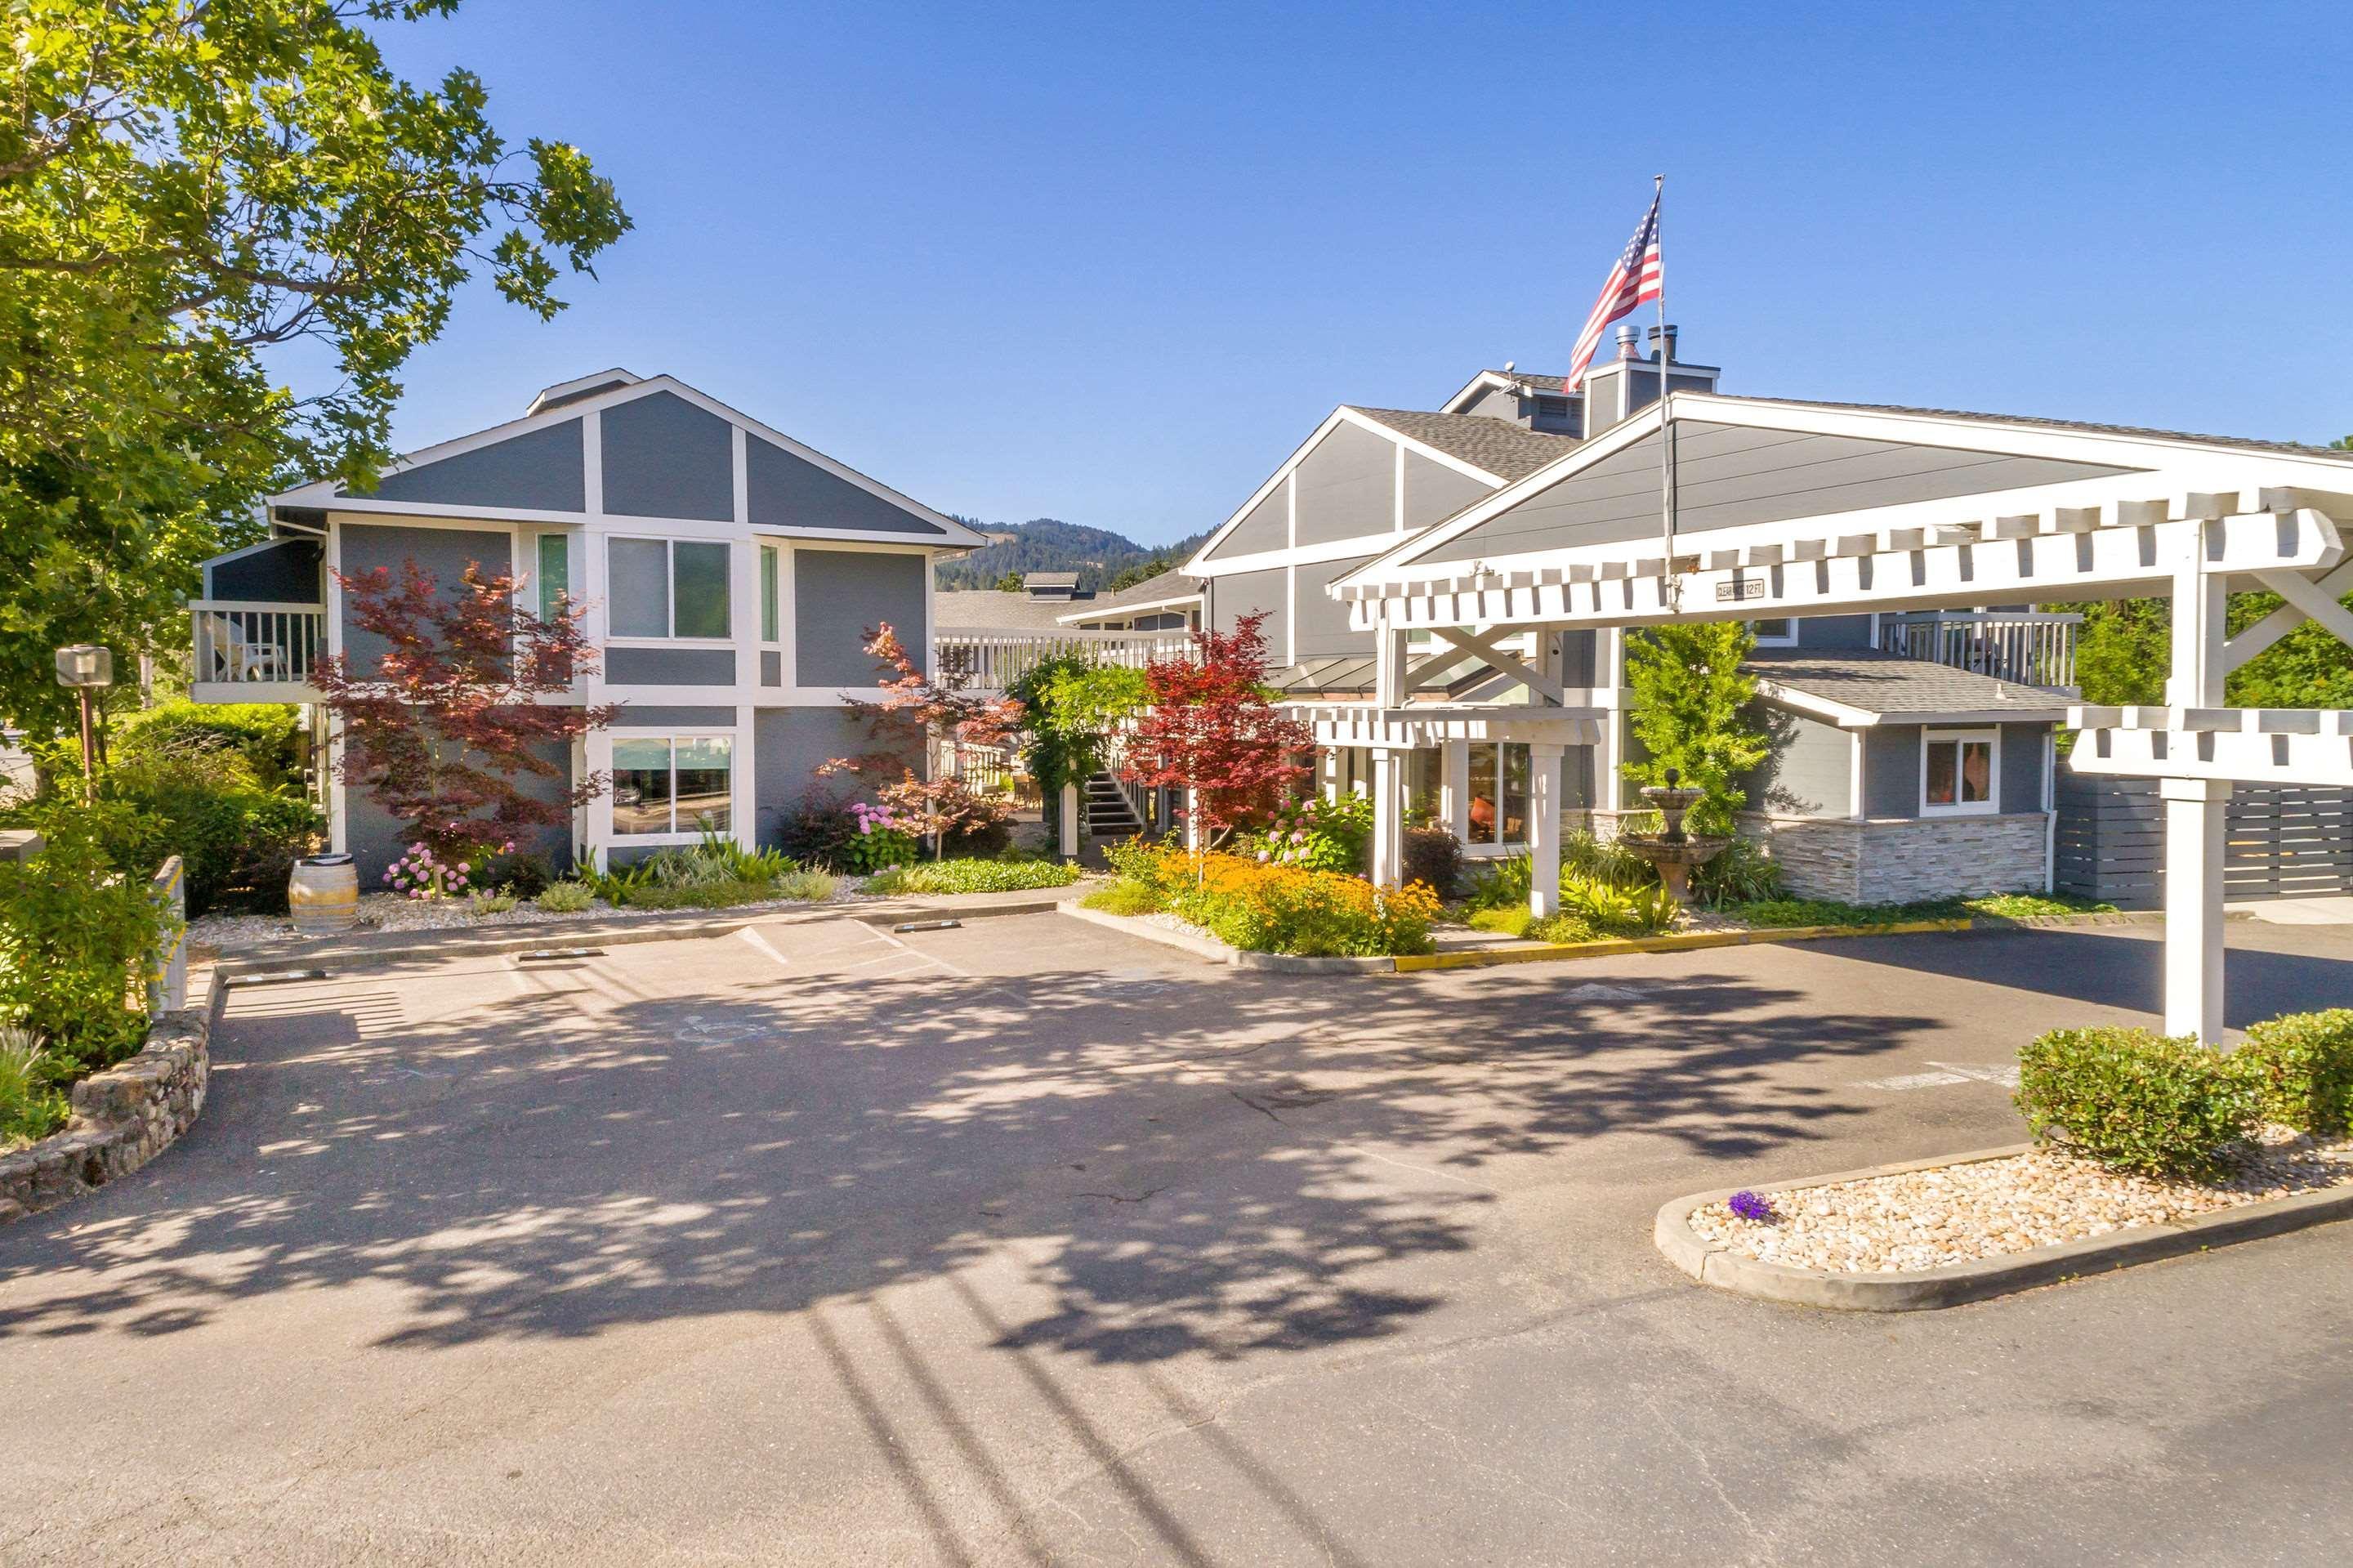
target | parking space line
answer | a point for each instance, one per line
(918, 952)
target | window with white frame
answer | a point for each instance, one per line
(1960, 771)
(555, 574)
(769, 598)
(1778, 631)
(667, 587)
(1497, 812)
(671, 784)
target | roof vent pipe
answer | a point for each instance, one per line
(1667, 332)
(1629, 340)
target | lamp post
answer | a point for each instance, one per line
(85, 667)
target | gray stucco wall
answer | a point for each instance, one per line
(1809, 769)
(1434, 492)
(1347, 486)
(1579, 658)
(2021, 766)
(788, 746)
(288, 571)
(541, 472)
(1323, 624)
(786, 491)
(674, 716)
(1266, 526)
(670, 666)
(839, 595)
(1731, 476)
(375, 840)
(1890, 768)
(442, 552)
(663, 457)
(1231, 597)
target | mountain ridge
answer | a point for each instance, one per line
(1100, 555)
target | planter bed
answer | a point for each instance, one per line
(388, 912)
(1935, 1232)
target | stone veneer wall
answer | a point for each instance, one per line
(122, 1118)
(1895, 860)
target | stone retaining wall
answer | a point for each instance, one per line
(1897, 860)
(122, 1118)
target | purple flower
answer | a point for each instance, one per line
(1749, 1206)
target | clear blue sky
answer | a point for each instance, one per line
(1110, 263)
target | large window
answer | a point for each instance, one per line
(1960, 770)
(671, 784)
(1499, 793)
(667, 587)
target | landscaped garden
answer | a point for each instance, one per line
(2133, 1129)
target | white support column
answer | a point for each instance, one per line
(1069, 832)
(1543, 828)
(1389, 671)
(1454, 789)
(2194, 816)
(1609, 757)
(1389, 817)
(2194, 813)
(743, 817)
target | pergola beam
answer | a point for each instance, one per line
(1483, 645)
(1889, 568)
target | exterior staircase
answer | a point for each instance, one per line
(1103, 811)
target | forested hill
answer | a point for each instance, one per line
(1048, 544)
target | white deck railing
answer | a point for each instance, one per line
(992, 661)
(244, 641)
(2033, 648)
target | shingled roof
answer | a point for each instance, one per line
(1890, 686)
(2033, 421)
(1507, 450)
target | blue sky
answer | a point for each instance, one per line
(1110, 263)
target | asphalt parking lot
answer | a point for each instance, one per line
(1030, 1243)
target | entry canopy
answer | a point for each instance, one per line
(1807, 509)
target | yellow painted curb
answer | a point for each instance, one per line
(1611, 947)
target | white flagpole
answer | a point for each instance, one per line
(1666, 428)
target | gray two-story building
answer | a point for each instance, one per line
(727, 574)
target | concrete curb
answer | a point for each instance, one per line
(1219, 953)
(1673, 942)
(1915, 1290)
(604, 932)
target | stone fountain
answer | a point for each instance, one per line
(1672, 849)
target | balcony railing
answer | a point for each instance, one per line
(245, 643)
(2032, 647)
(992, 661)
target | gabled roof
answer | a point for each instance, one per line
(2038, 422)
(1495, 446)
(668, 452)
(1503, 380)
(1859, 689)
(990, 610)
(1168, 588)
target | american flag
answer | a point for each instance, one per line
(1634, 280)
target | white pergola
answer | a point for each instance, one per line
(2188, 517)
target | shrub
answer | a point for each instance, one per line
(1742, 873)
(979, 841)
(485, 904)
(1501, 883)
(237, 838)
(266, 738)
(1125, 897)
(527, 874)
(31, 1106)
(1562, 928)
(819, 832)
(974, 876)
(79, 935)
(881, 841)
(2301, 1069)
(1617, 911)
(565, 897)
(1287, 909)
(1316, 833)
(1506, 919)
(1593, 859)
(816, 886)
(1433, 855)
(2146, 1104)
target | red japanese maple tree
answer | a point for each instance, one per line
(1208, 727)
(440, 725)
(914, 710)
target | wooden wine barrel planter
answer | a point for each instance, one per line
(323, 894)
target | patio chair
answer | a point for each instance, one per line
(235, 658)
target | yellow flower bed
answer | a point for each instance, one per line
(1268, 908)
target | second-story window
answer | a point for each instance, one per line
(768, 616)
(667, 587)
(555, 574)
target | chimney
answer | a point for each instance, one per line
(1629, 340)
(1667, 332)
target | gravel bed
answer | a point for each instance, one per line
(390, 911)
(1959, 1213)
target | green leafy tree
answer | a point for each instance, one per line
(1690, 709)
(184, 186)
(2124, 653)
(1009, 583)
